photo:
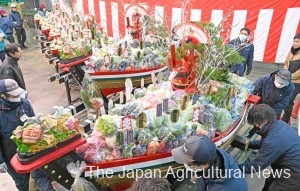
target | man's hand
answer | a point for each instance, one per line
(248, 72)
(3, 167)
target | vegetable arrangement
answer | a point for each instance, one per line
(40, 133)
(160, 133)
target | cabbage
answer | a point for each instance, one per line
(223, 119)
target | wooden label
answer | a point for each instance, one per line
(184, 102)
(126, 123)
(196, 114)
(141, 120)
(174, 116)
(159, 110)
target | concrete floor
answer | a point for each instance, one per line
(43, 95)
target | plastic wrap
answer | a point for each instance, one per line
(139, 151)
(144, 137)
(153, 147)
(223, 119)
(80, 183)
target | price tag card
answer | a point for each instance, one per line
(129, 136)
(127, 94)
(165, 104)
(159, 110)
(174, 116)
(196, 114)
(141, 120)
(121, 97)
(126, 123)
(195, 98)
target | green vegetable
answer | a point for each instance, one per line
(105, 125)
(219, 74)
(86, 98)
(120, 138)
(223, 119)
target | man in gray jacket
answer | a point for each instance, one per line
(10, 69)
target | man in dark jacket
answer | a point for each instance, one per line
(275, 89)
(10, 68)
(15, 16)
(14, 111)
(7, 26)
(214, 168)
(246, 49)
(279, 147)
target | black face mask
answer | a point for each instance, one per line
(256, 127)
(294, 50)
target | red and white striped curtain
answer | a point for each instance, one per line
(273, 23)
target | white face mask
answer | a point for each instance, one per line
(198, 169)
(243, 37)
(17, 99)
(278, 85)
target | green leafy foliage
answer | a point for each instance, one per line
(219, 74)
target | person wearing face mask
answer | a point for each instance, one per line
(214, 167)
(10, 68)
(279, 147)
(275, 89)
(245, 49)
(14, 112)
(292, 63)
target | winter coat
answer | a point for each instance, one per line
(231, 179)
(41, 13)
(2, 43)
(10, 69)
(277, 98)
(15, 16)
(296, 74)
(280, 148)
(247, 52)
(10, 113)
(6, 25)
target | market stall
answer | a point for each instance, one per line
(170, 85)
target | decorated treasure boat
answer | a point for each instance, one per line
(199, 97)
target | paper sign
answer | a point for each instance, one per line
(24, 117)
(159, 110)
(196, 114)
(128, 94)
(102, 111)
(142, 83)
(121, 97)
(153, 77)
(129, 136)
(195, 98)
(165, 104)
(110, 104)
(126, 123)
